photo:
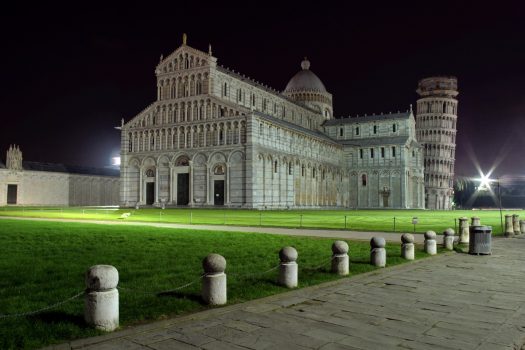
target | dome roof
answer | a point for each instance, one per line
(305, 80)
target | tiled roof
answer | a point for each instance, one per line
(296, 127)
(368, 118)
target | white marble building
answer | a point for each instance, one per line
(34, 183)
(215, 137)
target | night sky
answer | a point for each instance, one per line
(70, 72)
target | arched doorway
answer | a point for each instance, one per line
(218, 184)
(182, 170)
(150, 186)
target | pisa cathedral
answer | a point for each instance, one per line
(215, 137)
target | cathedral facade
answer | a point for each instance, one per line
(215, 137)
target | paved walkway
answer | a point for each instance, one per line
(451, 301)
(356, 235)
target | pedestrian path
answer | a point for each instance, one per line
(356, 235)
(451, 301)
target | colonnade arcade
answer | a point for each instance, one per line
(190, 136)
(185, 111)
(184, 179)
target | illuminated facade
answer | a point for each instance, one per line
(215, 137)
(436, 130)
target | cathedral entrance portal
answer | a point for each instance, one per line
(150, 193)
(183, 189)
(12, 194)
(218, 192)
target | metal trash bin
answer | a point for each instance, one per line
(480, 240)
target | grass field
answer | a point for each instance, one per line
(357, 220)
(44, 262)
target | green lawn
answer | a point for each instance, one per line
(44, 262)
(357, 220)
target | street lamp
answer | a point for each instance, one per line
(484, 185)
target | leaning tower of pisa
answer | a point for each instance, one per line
(436, 118)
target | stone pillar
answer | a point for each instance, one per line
(288, 269)
(190, 175)
(378, 252)
(475, 221)
(227, 187)
(157, 177)
(430, 243)
(340, 259)
(101, 301)
(463, 230)
(208, 181)
(141, 185)
(509, 227)
(448, 239)
(214, 280)
(170, 198)
(407, 246)
(522, 226)
(516, 224)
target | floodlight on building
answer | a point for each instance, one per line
(116, 161)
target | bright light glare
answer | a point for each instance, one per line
(116, 160)
(484, 183)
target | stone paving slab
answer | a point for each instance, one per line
(451, 301)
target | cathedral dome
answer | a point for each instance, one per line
(305, 80)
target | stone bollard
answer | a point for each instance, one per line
(522, 226)
(448, 239)
(288, 269)
(475, 221)
(509, 227)
(407, 246)
(378, 252)
(464, 230)
(340, 260)
(516, 224)
(430, 243)
(101, 304)
(214, 290)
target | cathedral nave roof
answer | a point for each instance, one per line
(368, 118)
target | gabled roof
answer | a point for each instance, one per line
(69, 169)
(184, 48)
(368, 118)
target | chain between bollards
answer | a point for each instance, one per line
(52, 306)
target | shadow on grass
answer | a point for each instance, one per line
(52, 317)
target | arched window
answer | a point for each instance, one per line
(357, 131)
(290, 169)
(394, 127)
(275, 166)
(363, 179)
(199, 87)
